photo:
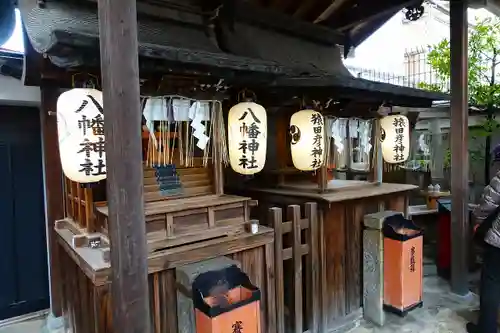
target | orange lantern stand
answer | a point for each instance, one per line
(403, 265)
(225, 301)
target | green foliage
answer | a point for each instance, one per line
(483, 58)
(484, 87)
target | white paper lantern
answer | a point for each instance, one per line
(80, 128)
(308, 140)
(395, 138)
(247, 137)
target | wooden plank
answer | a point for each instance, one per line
(275, 218)
(89, 212)
(370, 190)
(313, 264)
(168, 206)
(155, 302)
(270, 274)
(249, 12)
(218, 172)
(334, 237)
(84, 301)
(54, 192)
(293, 214)
(252, 263)
(127, 229)
(211, 217)
(287, 226)
(183, 255)
(354, 222)
(81, 210)
(397, 204)
(289, 253)
(323, 272)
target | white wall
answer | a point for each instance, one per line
(13, 92)
(385, 50)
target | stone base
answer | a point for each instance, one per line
(373, 277)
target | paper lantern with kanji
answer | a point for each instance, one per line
(247, 137)
(308, 140)
(80, 129)
(395, 137)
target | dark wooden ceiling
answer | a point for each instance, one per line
(350, 21)
(356, 20)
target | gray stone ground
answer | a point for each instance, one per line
(443, 312)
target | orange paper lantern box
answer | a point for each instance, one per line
(403, 271)
(225, 301)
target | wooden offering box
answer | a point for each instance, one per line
(172, 223)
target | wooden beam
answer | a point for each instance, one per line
(269, 19)
(335, 5)
(122, 128)
(460, 236)
(364, 30)
(54, 192)
(343, 20)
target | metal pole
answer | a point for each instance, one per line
(460, 236)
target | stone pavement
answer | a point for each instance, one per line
(30, 326)
(443, 312)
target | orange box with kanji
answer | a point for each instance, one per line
(225, 301)
(403, 265)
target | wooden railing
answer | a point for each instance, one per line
(301, 307)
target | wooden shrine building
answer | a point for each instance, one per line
(117, 246)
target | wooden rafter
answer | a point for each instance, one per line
(360, 14)
(273, 19)
(333, 7)
(304, 8)
(359, 33)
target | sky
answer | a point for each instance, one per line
(15, 43)
(383, 51)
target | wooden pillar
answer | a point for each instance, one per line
(122, 128)
(54, 193)
(460, 236)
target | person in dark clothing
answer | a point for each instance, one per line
(487, 213)
(489, 294)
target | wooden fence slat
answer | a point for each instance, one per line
(271, 287)
(288, 253)
(293, 214)
(89, 210)
(313, 265)
(275, 217)
(78, 200)
(287, 226)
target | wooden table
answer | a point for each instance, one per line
(340, 215)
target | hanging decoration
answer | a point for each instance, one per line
(395, 138)
(341, 143)
(414, 12)
(80, 128)
(360, 133)
(308, 140)
(178, 126)
(247, 137)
